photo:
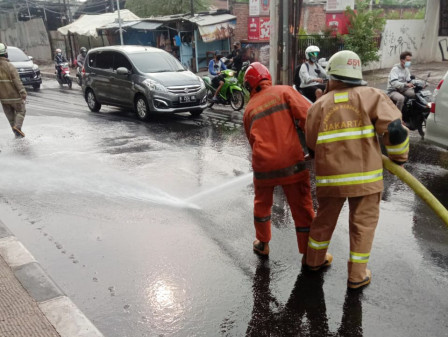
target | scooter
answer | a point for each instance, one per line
(64, 77)
(240, 78)
(230, 94)
(416, 110)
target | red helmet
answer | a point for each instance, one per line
(255, 73)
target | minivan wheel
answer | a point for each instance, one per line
(142, 107)
(92, 103)
(36, 87)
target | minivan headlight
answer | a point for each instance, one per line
(155, 86)
(201, 81)
(35, 67)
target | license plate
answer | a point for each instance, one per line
(186, 99)
(426, 93)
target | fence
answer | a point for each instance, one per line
(328, 45)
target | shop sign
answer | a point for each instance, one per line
(259, 28)
(259, 7)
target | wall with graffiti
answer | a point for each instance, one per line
(443, 48)
(399, 36)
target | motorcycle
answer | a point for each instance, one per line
(230, 94)
(416, 110)
(63, 77)
(240, 78)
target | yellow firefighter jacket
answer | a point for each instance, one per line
(342, 129)
(10, 84)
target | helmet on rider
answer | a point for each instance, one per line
(83, 51)
(345, 66)
(58, 51)
(311, 53)
(255, 73)
(3, 50)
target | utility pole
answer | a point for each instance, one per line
(191, 7)
(273, 42)
(29, 14)
(285, 43)
(119, 23)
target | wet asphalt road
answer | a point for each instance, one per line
(147, 227)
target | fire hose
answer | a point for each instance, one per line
(418, 188)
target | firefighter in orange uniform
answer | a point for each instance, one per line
(341, 129)
(277, 156)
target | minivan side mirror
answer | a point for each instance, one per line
(123, 71)
(30, 57)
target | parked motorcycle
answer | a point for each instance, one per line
(416, 110)
(63, 76)
(230, 94)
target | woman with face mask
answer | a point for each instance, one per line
(399, 86)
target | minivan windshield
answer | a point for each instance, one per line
(16, 55)
(155, 62)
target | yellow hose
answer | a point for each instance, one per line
(418, 188)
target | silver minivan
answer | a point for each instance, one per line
(145, 79)
(437, 122)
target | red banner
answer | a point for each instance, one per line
(258, 28)
(337, 22)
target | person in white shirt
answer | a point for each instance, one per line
(312, 75)
(399, 85)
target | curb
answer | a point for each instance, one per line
(60, 311)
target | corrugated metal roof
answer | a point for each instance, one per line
(206, 20)
(139, 24)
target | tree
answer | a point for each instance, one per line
(147, 8)
(364, 30)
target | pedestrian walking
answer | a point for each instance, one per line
(342, 129)
(12, 93)
(277, 155)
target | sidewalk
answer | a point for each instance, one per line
(31, 304)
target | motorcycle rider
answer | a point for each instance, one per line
(12, 93)
(81, 57)
(342, 128)
(310, 76)
(277, 155)
(399, 85)
(214, 68)
(58, 59)
(237, 57)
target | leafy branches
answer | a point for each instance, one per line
(147, 8)
(364, 31)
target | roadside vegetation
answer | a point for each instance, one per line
(147, 8)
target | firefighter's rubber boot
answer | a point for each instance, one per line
(261, 248)
(363, 283)
(19, 133)
(327, 263)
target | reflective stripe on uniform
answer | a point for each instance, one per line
(398, 149)
(341, 97)
(269, 111)
(350, 179)
(5, 81)
(264, 219)
(345, 134)
(318, 244)
(359, 257)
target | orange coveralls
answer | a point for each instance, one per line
(342, 128)
(278, 157)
